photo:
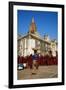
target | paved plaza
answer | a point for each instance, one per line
(42, 72)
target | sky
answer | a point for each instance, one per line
(46, 22)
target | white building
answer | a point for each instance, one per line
(33, 41)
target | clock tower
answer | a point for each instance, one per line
(32, 26)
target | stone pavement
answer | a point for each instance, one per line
(42, 72)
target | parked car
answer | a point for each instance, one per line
(20, 67)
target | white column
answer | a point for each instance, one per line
(25, 46)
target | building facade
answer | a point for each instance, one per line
(33, 41)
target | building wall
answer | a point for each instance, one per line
(26, 45)
(53, 47)
(31, 45)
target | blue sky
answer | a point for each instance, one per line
(46, 22)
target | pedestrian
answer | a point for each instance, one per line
(35, 62)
